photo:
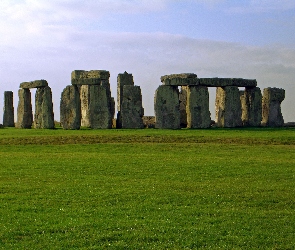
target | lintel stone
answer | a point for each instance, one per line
(92, 77)
(34, 84)
(184, 79)
(224, 82)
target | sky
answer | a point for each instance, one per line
(48, 39)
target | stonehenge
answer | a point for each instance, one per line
(181, 101)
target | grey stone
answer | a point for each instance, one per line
(100, 107)
(198, 114)
(24, 109)
(131, 111)
(182, 106)
(122, 80)
(167, 113)
(251, 101)
(224, 82)
(8, 110)
(228, 107)
(92, 77)
(44, 116)
(85, 108)
(34, 84)
(70, 108)
(183, 79)
(271, 107)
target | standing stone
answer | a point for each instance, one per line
(271, 107)
(228, 107)
(8, 111)
(131, 111)
(100, 107)
(182, 106)
(85, 108)
(24, 109)
(167, 113)
(70, 108)
(198, 114)
(44, 117)
(122, 80)
(251, 101)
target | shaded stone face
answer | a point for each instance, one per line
(228, 107)
(251, 101)
(8, 110)
(100, 107)
(131, 112)
(167, 113)
(44, 117)
(271, 107)
(24, 109)
(33, 84)
(182, 106)
(198, 114)
(70, 108)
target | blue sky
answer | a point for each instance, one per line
(47, 39)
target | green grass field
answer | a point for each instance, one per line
(147, 189)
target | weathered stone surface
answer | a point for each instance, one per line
(24, 109)
(44, 116)
(85, 108)
(131, 111)
(183, 79)
(100, 107)
(251, 101)
(92, 77)
(122, 80)
(167, 107)
(197, 109)
(182, 106)
(149, 121)
(271, 107)
(8, 110)
(223, 82)
(33, 84)
(228, 107)
(70, 108)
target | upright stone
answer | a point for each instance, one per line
(44, 116)
(70, 108)
(167, 113)
(198, 114)
(131, 111)
(182, 106)
(8, 110)
(24, 109)
(85, 108)
(100, 107)
(271, 107)
(228, 107)
(251, 101)
(122, 80)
